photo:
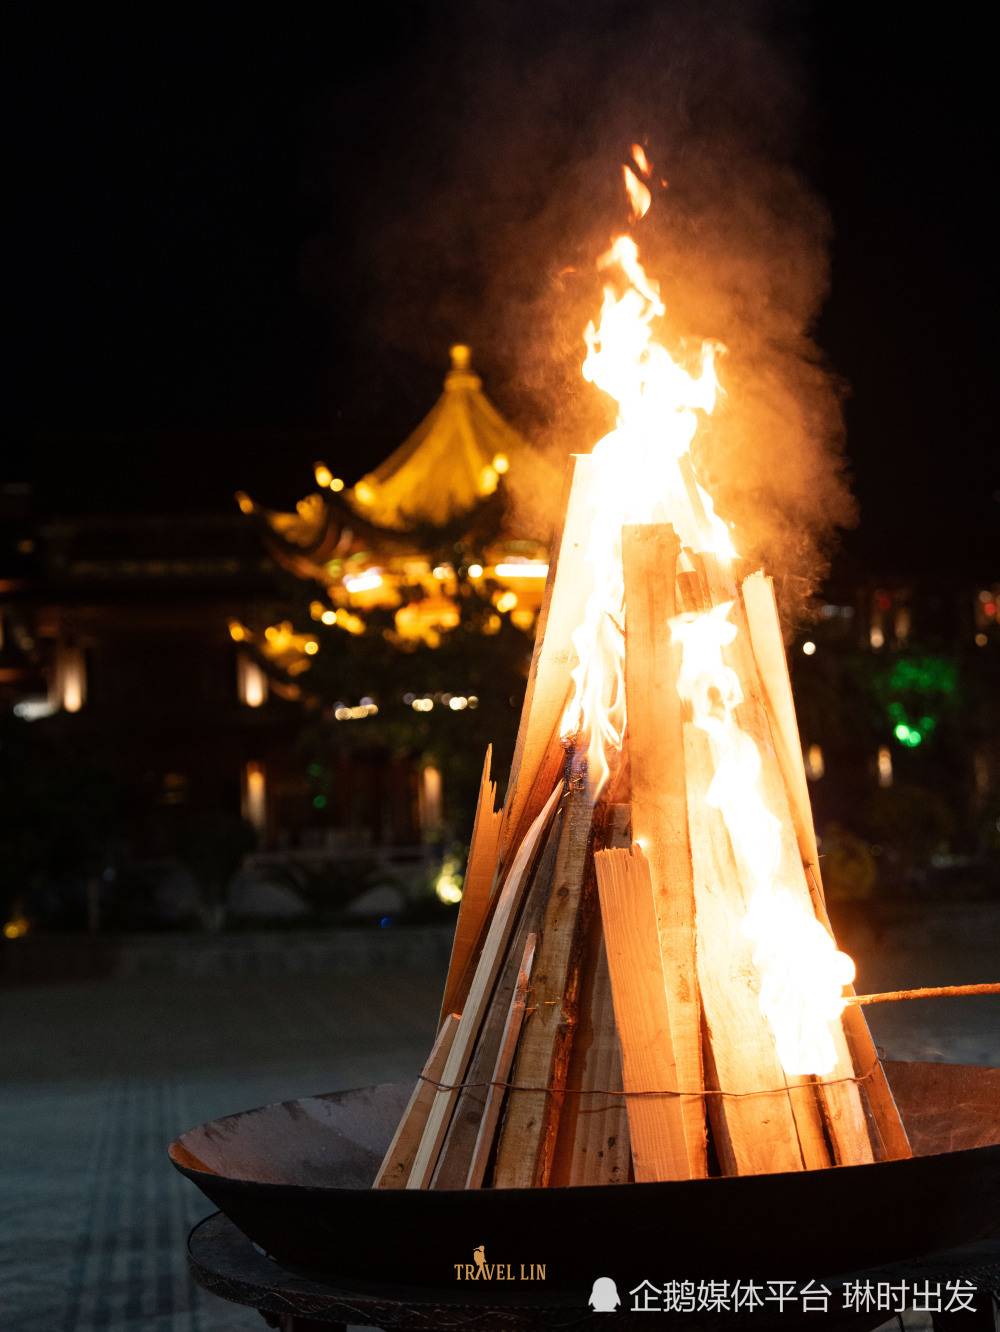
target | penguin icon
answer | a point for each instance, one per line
(604, 1296)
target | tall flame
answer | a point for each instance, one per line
(637, 479)
(642, 472)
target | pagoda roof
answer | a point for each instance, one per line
(448, 465)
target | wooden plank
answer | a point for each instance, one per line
(760, 1128)
(656, 1123)
(460, 1141)
(569, 585)
(593, 1144)
(395, 1168)
(776, 687)
(527, 1139)
(772, 664)
(490, 961)
(659, 796)
(839, 1098)
(501, 1070)
(877, 1094)
(476, 890)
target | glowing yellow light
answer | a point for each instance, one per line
(244, 501)
(336, 484)
(457, 703)
(506, 601)
(316, 609)
(442, 571)
(884, 766)
(809, 648)
(363, 493)
(449, 882)
(488, 481)
(501, 463)
(74, 678)
(981, 640)
(236, 631)
(815, 767)
(523, 569)
(17, 927)
(251, 683)
(876, 636)
(365, 582)
(322, 474)
(254, 803)
(475, 571)
(311, 648)
(329, 617)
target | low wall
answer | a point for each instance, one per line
(261, 953)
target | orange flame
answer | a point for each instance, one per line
(639, 196)
(637, 478)
(802, 973)
(640, 159)
(642, 472)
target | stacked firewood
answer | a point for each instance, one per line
(601, 1019)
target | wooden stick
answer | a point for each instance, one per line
(475, 891)
(570, 582)
(889, 1135)
(527, 1140)
(753, 1134)
(839, 1097)
(885, 1127)
(656, 1123)
(501, 1071)
(772, 667)
(398, 1162)
(459, 1146)
(659, 796)
(932, 992)
(593, 1145)
(490, 962)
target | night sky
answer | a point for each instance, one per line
(195, 306)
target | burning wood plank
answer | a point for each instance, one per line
(538, 755)
(476, 892)
(656, 1121)
(659, 797)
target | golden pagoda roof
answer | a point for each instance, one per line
(449, 464)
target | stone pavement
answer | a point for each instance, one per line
(100, 1075)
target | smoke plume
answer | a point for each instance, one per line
(503, 186)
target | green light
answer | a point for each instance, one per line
(914, 738)
(314, 770)
(902, 732)
(319, 802)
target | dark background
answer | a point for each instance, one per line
(192, 196)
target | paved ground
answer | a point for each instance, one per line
(101, 1075)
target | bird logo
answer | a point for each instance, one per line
(604, 1296)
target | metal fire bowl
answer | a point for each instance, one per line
(296, 1179)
